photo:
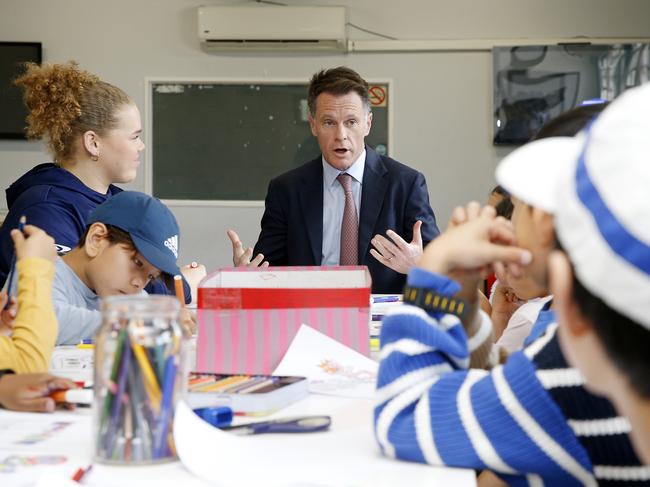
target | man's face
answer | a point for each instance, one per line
(340, 125)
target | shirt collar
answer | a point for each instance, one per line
(355, 170)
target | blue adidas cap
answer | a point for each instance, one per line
(149, 223)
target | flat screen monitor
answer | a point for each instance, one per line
(12, 109)
(533, 84)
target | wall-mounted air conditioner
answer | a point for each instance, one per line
(264, 27)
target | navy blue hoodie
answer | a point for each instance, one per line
(56, 201)
(52, 199)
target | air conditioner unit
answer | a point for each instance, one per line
(263, 27)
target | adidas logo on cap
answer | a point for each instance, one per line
(172, 244)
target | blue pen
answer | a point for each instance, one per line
(304, 424)
(386, 299)
(12, 268)
(160, 440)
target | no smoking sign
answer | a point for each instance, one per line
(378, 95)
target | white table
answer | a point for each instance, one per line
(345, 455)
(350, 439)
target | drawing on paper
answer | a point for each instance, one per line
(13, 462)
(332, 367)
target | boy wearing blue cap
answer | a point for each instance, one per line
(131, 239)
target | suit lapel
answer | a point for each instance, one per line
(373, 190)
(311, 198)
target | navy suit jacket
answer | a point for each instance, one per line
(393, 196)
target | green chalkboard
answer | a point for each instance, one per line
(226, 141)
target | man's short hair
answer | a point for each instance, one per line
(337, 81)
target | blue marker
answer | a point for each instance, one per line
(12, 268)
(386, 299)
(217, 416)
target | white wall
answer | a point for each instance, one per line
(442, 101)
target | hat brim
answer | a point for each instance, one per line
(160, 260)
(532, 172)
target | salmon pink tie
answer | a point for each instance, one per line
(349, 224)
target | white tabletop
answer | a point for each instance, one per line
(345, 455)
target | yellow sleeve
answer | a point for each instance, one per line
(30, 346)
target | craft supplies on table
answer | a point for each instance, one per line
(247, 394)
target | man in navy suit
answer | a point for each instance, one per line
(316, 216)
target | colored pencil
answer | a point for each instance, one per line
(117, 402)
(218, 385)
(111, 389)
(151, 384)
(12, 267)
(180, 292)
(160, 439)
(261, 385)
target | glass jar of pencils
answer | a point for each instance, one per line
(140, 373)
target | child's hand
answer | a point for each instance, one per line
(7, 316)
(30, 392)
(193, 273)
(505, 301)
(33, 242)
(188, 322)
(474, 241)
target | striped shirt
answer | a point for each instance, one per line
(531, 420)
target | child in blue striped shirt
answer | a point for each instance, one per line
(532, 420)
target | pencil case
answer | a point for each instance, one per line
(245, 394)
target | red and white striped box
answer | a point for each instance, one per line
(247, 317)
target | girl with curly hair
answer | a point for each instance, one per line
(92, 130)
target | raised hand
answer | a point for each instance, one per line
(397, 253)
(242, 257)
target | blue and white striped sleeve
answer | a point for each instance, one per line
(431, 408)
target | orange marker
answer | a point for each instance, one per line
(73, 396)
(180, 292)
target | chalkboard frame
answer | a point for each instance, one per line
(149, 135)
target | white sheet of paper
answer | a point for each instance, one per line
(331, 367)
(39, 449)
(345, 455)
(34, 445)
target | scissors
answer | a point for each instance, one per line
(303, 424)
